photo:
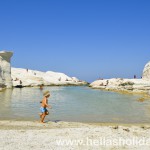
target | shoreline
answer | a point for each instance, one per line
(143, 95)
(124, 86)
(63, 124)
(54, 85)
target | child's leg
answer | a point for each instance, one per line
(47, 112)
(43, 117)
(40, 114)
(41, 109)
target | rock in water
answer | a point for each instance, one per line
(5, 69)
(146, 71)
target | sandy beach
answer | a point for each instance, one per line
(23, 135)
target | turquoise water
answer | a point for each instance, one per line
(81, 104)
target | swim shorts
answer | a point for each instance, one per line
(43, 109)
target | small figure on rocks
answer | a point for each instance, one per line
(134, 76)
(41, 87)
(20, 82)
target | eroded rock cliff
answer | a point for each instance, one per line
(5, 69)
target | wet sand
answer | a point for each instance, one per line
(23, 135)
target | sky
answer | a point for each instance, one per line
(89, 39)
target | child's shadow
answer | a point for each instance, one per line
(56, 121)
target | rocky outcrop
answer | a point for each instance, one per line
(128, 85)
(118, 84)
(25, 77)
(146, 72)
(5, 70)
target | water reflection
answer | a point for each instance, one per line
(5, 103)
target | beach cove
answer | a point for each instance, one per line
(113, 114)
(74, 75)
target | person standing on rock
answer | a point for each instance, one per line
(44, 106)
(41, 87)
(134, 76)
(20, 82)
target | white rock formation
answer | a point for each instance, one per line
(132, 85)
(118, 84)
(5, 69)
(25, 77)
(146, 71)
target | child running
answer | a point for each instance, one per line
(44, 105)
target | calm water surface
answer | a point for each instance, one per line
(74, 104)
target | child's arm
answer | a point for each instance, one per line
(45, 102)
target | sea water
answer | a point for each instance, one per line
(74, 103)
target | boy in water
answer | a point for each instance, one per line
(44, 105)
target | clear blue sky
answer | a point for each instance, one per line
(83, 38)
